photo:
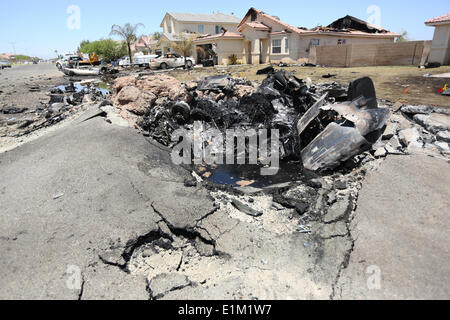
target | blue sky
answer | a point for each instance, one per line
(38, 28)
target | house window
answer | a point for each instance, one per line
(342, 41)
(201, 29)
(218, 29)
(170, 29)
(286, 45)
(276, 46)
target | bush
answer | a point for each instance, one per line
(233, 60)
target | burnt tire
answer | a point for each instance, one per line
(181, 111)
(189, 64)
(163, 66)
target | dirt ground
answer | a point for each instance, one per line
(390, 82)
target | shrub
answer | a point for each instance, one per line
(233, 59)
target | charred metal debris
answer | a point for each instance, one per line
(323, 125)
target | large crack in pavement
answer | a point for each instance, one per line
(167, 250)
(347, 255)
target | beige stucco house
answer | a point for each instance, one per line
(178, 25)
(262, 38)
(440, 47)
(144, 45)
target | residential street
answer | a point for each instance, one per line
(401, 226)
(73, 198)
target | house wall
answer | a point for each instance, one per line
(298, 44)
(179, 27)
(332, 40)
(267, 38)
(440, 47)
(292, 52)
(208, 28)
(257, 46)
(378, 54)
(225, 48)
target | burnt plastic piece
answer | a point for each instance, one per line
(363, 87)
(266, 70)
(216, 83)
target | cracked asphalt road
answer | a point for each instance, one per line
(72, 194)
(401, 230)
(105, 199)
(96, 196)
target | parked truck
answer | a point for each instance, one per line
(140, 61)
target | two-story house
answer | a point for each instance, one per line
(262, 38)
(178, 25)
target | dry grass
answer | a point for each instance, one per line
(390, 82)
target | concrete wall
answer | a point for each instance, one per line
(380, 54)
(332, 40)
(440, 48)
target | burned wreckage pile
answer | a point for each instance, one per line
(323, 125)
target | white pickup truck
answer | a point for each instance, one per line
(141, 61)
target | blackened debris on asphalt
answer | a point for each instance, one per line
(323, 125)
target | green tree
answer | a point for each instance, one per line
(83, 44)
(157, 36)
(403, 37)
(128, 34)
(108, 49)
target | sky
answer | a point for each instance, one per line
(38, 28)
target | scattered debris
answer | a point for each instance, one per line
(60, 195)
(246, 209)
(266, 70)
(13, 110)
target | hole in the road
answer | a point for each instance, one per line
(250, 175)
(101, 88)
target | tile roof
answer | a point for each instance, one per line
(331, 31)
(440, 19)
(287, 26)
(224, 35)
(257, 25)
(322, 30)
(207, 18)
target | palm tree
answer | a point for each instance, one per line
(184, 46)
(128, 34)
